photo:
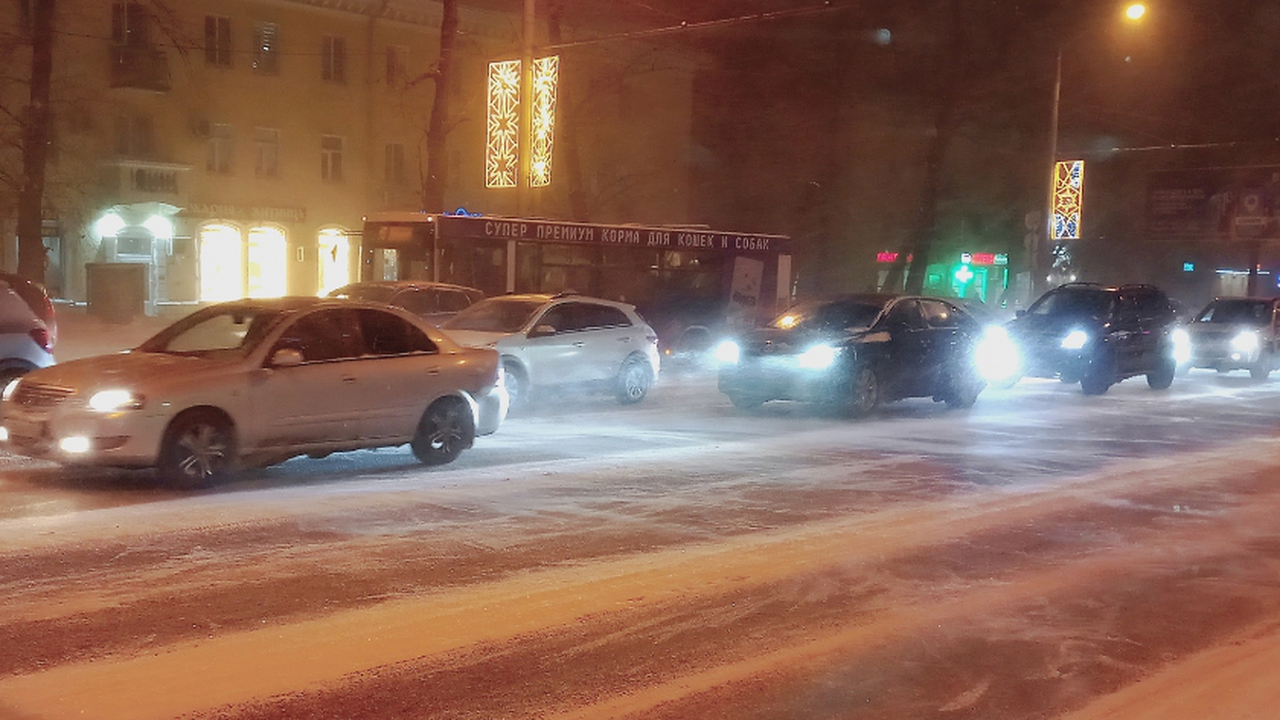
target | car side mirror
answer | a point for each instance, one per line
(542, 331)
(286, 357)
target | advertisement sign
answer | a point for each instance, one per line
(1214, 204)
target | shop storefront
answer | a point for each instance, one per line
(673, 274)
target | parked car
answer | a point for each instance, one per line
(562, 341)
(1096, 335)
(28, 328)
(855, 352)
(255, 382)
(1236, 334)
(432, 301)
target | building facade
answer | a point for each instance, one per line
(234, 146)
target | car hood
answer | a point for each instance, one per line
(476, 338)
(131, 368)
(1213, 330)
(799, 339)
(1052, 324)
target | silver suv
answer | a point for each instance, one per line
(563, 341)
(27, 327)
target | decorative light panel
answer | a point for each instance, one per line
(502, 159)
(546, 78)
(1068, 199)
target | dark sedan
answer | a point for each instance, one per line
(855, 352)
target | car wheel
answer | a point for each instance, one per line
(517, 385)
(1259, 371)
(10, 374)
(445, 430)
(634, 381)
(198, 450)
(862, 394)
(1162, 377)
(745, 402)
(1098, 377)
(964, 390)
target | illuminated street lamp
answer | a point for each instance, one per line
(1066, 179)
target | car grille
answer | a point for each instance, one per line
(31, 394)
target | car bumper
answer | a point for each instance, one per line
(778, 379)
(124, 439)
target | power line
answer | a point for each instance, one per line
(827, 6)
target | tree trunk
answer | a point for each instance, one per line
(437, 175)
(35, 146)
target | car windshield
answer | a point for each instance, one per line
(215, 331)
(372, 293)
(830, 315)
(1237, 312)
(495, 315)
(1073, 302)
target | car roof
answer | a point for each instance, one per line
(410, 284)
(551, 298)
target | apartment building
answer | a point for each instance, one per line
(234, 146)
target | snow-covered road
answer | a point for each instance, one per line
(1038, 555)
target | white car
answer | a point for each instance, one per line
(27, 327)
(563, 340)
(255, 382)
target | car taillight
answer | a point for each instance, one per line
(43, 338)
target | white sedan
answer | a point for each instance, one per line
(255, 382)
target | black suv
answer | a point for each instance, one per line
(1098, 335)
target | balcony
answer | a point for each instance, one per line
(141, 67)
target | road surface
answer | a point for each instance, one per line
(1044, 554)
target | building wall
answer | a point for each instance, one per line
(632, 132)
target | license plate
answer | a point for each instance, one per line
(20, 427)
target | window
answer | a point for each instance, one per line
(266, 152)
(266, 50)
(217, 41)
(220, 147)
(387, 334)
(333, 59)
(331, 158)
(133, 136)
(938, 314)
(397, 63)
(129, 25)
(324, 336)
(394, 164)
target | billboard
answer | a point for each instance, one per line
(1214, 204)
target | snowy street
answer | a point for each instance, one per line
(1040, 555)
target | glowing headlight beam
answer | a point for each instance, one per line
(996, 355)
(727, 352)
(1075, 340)
(818, 357)
(1245, 342)
(113, 400)
(1181, 346)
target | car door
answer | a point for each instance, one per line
(1125, 334)
(902, 365)
(318, 400)
(943, 345)
(554, 347)
(400, 372)
(609, 337)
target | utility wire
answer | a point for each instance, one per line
(827, 6)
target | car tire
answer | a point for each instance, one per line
(9, 374)
(445, 430)
(1162, 377)
(634, 380)
(1098, 378)
(745, 402)
(1259, 371)
(861, 395)
(517, 381)
(198, 450)
(965, 386)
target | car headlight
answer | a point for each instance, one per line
(996, 355)
(1181, 345)
(115, 400)
(817, 357)
(728, 352)
(1245, 341)
(1075, 340)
